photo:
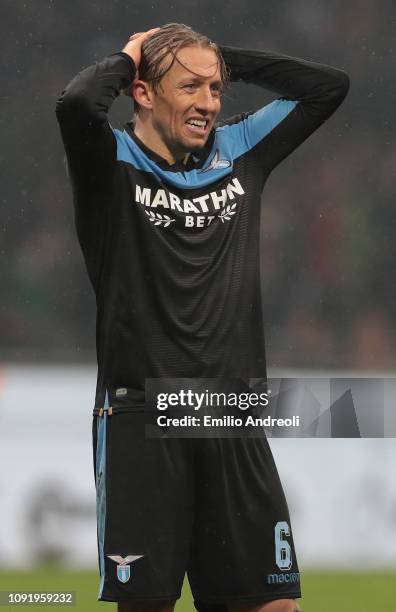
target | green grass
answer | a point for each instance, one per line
(323, 592)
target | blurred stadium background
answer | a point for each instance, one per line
(328, 282)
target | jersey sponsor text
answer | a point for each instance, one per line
(210, 202)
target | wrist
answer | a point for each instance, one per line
(129, 59)
(130, 49)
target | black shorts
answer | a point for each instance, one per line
(211, 507)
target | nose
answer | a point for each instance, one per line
(206, 101)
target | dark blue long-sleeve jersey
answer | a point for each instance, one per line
(172, 251)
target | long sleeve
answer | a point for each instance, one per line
(90, 145)
(82, 111)
(309, 94)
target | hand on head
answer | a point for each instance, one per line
(134, 45)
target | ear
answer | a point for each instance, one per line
(142, 93)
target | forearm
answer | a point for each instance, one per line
(319, 87)
(82, 112)
(90, 94)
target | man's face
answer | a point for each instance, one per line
(187, 101)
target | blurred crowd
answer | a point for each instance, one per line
(328, 222)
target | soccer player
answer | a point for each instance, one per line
(167, 213)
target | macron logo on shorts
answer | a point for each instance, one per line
(123, 567)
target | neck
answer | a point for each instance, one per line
(150, 137)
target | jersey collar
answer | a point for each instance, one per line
(195, 161)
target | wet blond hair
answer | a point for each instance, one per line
(168, 40)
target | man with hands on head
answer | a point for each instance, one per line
(167, 213)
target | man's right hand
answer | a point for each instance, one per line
(134, 46)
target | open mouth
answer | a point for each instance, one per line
(197, 126)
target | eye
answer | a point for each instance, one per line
(216, 89)
(189, 86)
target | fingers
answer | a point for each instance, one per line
(145, 34)
(134, 45)
(150, 32)
(135, 35)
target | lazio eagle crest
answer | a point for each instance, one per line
(123, 567)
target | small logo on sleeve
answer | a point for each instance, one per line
(123, 567)
(216, 163)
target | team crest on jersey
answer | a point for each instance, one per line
(123, 567)
(216, 163)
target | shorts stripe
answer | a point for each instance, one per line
(101, 490)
